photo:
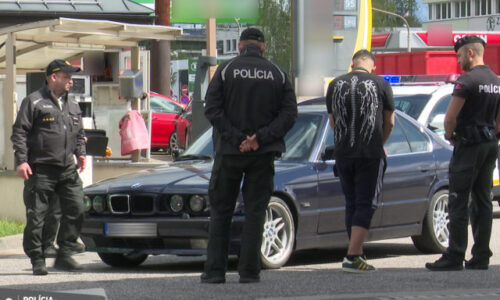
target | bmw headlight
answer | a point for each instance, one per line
(176, 203)
(196, 203)
(87, 203)
(98, 204)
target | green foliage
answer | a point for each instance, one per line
(275, 21)
(10, 228)
(400, 7)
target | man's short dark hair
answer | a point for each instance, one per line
(468, 39)
(363, 53)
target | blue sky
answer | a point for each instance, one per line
(422, 11)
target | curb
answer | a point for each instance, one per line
(11, 242)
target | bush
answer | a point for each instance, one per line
(10, 227)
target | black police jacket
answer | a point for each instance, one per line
(43, 134)
(250, 95)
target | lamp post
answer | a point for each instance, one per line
(398, 16)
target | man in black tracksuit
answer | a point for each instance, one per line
(47, 135)
(471, 123)
(251, 105)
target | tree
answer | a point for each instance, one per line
(275, 21)
(405, 8)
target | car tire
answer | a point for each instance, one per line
(435, 233)
(122, 260)
(278, 236)
(173, 141)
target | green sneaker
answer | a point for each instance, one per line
(358, 265)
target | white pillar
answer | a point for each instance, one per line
(8, 104)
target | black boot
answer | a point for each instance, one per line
(77, 248)
(39, 268)
(50, 251)
(205, 278)
(66, 263)
(445, 263)
(477, 264)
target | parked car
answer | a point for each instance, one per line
(165, 112)
(427, 103)
(165, 210)
(181, 137)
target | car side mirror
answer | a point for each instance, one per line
(328, 153)
(437, 123)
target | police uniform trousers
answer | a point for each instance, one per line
(257, 172)
(40, 191)
(471, 174)
(51, 223)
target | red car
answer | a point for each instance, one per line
(181, 137)
(165, 113)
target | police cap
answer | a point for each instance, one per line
(468, 39)
(252, 34)
(59, 65)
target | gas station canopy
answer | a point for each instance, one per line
(34, 45)
(38, 43)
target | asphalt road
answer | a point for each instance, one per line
(309, 275)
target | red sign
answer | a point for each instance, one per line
(488, 37)
(184, 89)
(379, 40)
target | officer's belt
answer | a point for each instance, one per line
(475, 134)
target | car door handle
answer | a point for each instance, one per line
(155, 118)
(424, 168)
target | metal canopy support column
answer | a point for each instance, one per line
(9, 108)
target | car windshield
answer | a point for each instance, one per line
(411, 105)
(159, 105)
(299, 141)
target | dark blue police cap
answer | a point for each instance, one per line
(252, 34)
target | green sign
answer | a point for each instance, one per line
(192, 64)
(197, 11)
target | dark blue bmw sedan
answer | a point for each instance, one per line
(165, 210)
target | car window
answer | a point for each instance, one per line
(202, 146)
(164, 106)
(330, 137)
(300, 140)
(436, 117)
(411, 105)
(418, 140)
(397, 142)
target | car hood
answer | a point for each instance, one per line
(172, 177)
(175, 177)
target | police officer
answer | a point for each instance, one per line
(47, 135)
(251, 105)
(471, 121)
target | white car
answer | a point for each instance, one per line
(427, 103)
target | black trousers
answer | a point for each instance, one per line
(471, 174)
(51, 223)
(46, 185)
(361, 180)
(257, 172)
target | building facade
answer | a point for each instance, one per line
(464, 15)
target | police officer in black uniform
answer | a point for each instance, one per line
(47, 136)
(471, 123)
(251, 105)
